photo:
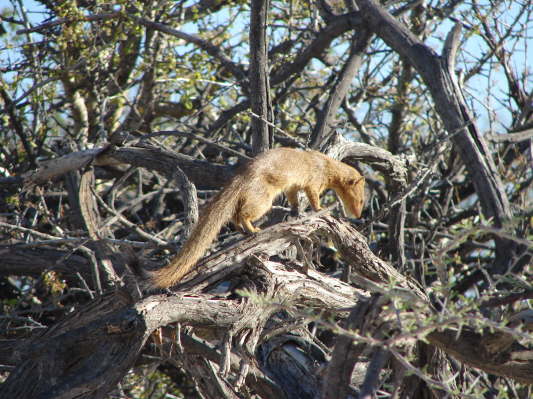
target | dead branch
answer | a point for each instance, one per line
(99, 343)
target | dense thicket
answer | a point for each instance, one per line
(119, 120)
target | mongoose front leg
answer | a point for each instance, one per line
(314, 199)
(292, 197)
(249, 227)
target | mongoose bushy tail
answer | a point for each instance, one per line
(215, 215)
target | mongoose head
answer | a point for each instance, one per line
(352, 194)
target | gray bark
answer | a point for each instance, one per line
(259, 78)
(87, 354)
(439, 75)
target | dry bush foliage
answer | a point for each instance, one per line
(120, 120)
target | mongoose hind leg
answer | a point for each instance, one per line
(251, 210)
(244, 224)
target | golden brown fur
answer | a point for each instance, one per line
(251, 192)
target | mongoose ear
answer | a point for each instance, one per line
(349, 182)
(353, 182)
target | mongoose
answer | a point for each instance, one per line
(250, 193)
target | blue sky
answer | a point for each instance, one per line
(476, 88)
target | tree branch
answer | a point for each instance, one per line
(338, 92)
(259, 78)
(89, 352)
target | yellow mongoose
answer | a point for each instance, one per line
(249, 195)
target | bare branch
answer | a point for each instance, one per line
(260, 102)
